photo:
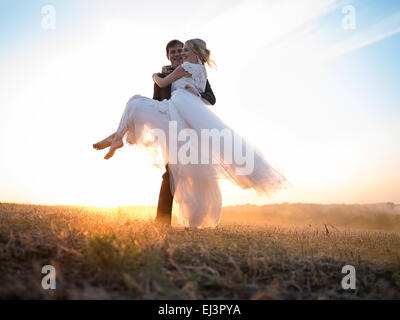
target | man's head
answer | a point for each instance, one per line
(174, 52)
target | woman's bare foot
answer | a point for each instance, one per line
(104, 143)
(116, 144)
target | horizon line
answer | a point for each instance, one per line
(225, 206)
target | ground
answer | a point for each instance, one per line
(121, 254)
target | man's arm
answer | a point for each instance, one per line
(156, 92)
(161, 94)
(208, 94)
(157, 89)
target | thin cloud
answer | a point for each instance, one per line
(384, 29)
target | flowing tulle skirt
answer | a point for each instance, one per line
(200, 149)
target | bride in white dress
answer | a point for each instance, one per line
(178, 126)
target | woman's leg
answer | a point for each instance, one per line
(104, 143)
(126, 119)
(138, 111)
(116, 144)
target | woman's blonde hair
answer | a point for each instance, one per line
(199, 47)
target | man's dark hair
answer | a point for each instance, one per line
(173, 43)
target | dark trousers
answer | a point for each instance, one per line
(165, 200)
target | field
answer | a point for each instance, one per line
(286, 251)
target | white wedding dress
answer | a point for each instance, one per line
(175, 128)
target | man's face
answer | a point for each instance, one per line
(175, 55)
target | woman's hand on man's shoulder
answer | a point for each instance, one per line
(166, 70)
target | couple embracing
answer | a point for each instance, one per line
(180, 110)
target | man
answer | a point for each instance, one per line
(174, 54)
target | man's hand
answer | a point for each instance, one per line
(191, 90)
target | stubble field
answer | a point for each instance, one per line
(288, 251)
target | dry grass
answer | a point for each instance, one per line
(111, 254)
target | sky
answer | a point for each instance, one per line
(314, 84)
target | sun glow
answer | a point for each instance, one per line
(276, 88)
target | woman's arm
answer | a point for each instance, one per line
(177, 74)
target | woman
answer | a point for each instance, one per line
(194, 182)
